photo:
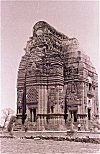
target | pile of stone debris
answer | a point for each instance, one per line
(86, 139)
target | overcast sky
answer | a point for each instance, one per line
(74, 19)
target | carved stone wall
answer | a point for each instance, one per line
(56, 70)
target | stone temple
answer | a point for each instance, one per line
(61, 82)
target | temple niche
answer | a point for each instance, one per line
(61, 82)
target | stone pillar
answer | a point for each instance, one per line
(62, 120)
(38, 123)
(78, 112)
(69, 115)
(81, 108)
(86, 125)
(39, 101)
(42, 101)
(72, 121)
(45, 121)
(46, 99)
(28, 113)
(42, 123)
(57, 99)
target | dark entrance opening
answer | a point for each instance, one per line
(89, 114)
(52, 109)
(34, 114)
(75, 116)
(90, 86)
(30, 115)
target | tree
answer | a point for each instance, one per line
(6, 114)
(10, 124)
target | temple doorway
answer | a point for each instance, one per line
(32, 101)
(33, 115)
(74, 115)
(89, 114)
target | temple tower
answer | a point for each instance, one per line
(61, 82)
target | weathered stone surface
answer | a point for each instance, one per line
(60, 80)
